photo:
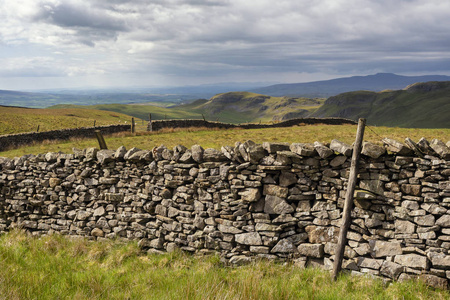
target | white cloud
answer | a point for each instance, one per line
(225, 39)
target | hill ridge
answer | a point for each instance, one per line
(423, 104)
(332, 87)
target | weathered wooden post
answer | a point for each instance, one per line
(133, 129)
(346, 218)
(150, 126)
(101, 140)
(95, 122)
(37, 130)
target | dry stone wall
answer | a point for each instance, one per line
(161, 124)
(274, 201)
(10, 141)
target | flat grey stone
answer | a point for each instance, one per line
(372, 150)
(341, 147)
(249, 238)
(412, 261)
(284, 246)
(311, 250)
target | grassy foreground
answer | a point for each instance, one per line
(57, 267)
(218, 138)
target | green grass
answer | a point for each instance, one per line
(58, 267)
(218, 138)
(246, 107)
(141, 111)
(17, 119)
(428, 108)
(233, 107)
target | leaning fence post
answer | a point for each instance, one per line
(150, 126)
(346, 217)
(100, 139)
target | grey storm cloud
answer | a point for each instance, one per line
(180, 37)
(69, 15)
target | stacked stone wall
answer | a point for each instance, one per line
(273, 201)
(162, 124)
(11, 141)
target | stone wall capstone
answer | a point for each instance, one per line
(270, 200)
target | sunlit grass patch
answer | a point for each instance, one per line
(216, 138)
(60, 267)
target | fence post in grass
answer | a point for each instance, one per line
(346, 217)
(150, 126)
(101, 140)
(133, 129)
(95, 122)
(37, 130)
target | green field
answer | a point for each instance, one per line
(218, 138)
(140, 111)
(19, 119)
(58, 267)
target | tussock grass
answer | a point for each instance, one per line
(216, 138)
(59, 267)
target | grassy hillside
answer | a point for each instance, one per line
(19, 119)
(140, 111)
(233, 107)
(243, 107)
(421, 105)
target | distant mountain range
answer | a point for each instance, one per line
(420, 105)
(174, 95)
(383, 99)
(328, 88)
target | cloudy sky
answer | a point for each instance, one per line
(120, 43)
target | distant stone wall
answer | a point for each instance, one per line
(160, 124)
(11, 141)
(274, 201)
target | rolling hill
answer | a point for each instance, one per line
(327, 88)
(243, 107)
(232, 107)
(420, 105)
